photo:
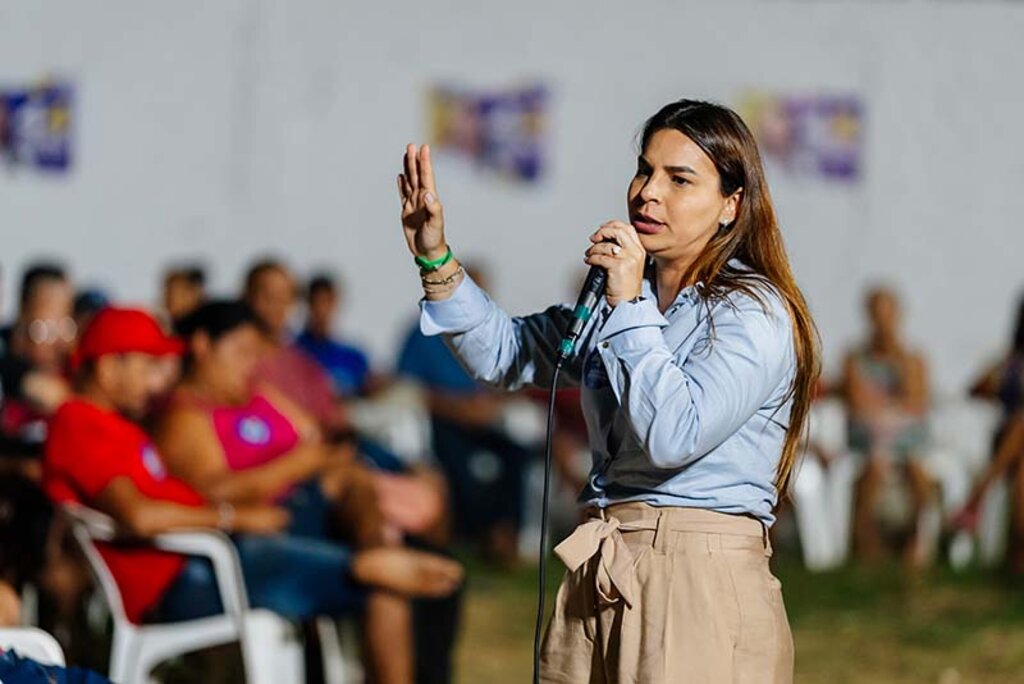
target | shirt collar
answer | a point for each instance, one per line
(687, 295)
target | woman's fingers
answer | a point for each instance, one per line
(409, 196)
(621, 232)
(628, 231)
(412, 171)
(605, 248)
(605, 261)
(607, 231)
(406, 164)
(403, 188)
(427, 170)
(620, 235)
(417, 183)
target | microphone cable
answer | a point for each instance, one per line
(593, 286)
(542, 579)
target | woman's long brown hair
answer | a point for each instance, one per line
(755, 239)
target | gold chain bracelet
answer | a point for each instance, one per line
(444, 281)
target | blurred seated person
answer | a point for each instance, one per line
(885, 386)
(96, 455)
(297, 377)
(347, 365)
(33, 384)
(1006, 462)
(271, 293)
(483, 466)
(1003, 381)
(40, 340)
(184, 291)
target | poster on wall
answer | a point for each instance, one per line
(35, 127)
(503, 131)
(809, 136)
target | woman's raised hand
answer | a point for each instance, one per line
(422, 213)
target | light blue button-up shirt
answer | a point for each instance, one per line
(682, 409)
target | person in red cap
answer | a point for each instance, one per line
(96, 455)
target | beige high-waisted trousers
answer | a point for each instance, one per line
(667, 596)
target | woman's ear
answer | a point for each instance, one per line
(731, 208)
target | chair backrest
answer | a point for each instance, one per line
(827, 424)
(966, 427)
(30, 642)
(90, 526)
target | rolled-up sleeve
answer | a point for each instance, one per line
(682, 408)
(500, 350)
(464, 310)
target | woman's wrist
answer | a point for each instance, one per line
(440, 284)
(435, 254)
(625, 299)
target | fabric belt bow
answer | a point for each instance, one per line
(603, 538)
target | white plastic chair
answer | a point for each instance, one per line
(271, 651)
(398, 420)
(823, 497)
(34, 643)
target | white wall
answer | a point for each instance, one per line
(232, 128)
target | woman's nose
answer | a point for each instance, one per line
(650, 191)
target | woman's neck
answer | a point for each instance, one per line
(670, 277)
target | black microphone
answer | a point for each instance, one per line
(593, 287)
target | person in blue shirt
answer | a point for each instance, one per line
(696, 375)
(483, 466)
(347, 365)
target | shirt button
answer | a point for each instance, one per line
(605, 345)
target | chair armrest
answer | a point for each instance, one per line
(34, 643)
(100, 526)
(217, 547)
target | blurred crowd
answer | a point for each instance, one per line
(249, 413)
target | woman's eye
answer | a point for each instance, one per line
(679, 180)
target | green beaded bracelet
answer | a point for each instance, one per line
(428, 266)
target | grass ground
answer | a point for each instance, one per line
(852, 626)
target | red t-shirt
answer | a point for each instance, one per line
(87, 448)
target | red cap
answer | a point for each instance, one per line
(124, 331)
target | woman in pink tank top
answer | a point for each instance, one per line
(235, 441)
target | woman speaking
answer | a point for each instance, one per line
(696, 373)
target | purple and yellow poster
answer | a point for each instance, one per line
(501, 130)
(35, 127)
(811, 136)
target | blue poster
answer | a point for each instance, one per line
(35, 127)
(500, 130)
(811, 135)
